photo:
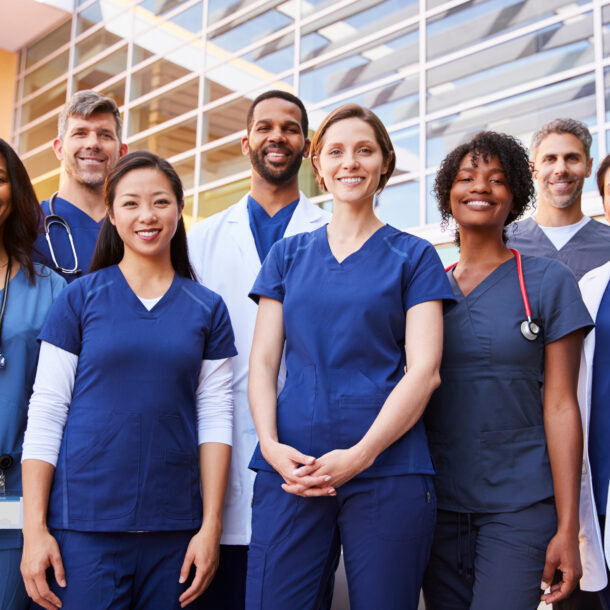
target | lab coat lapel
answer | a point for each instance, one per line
(240, 231)
(304, 217)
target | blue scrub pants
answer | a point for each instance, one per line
(12, 589)
(482, 561)
(121, 571)
(385, 525)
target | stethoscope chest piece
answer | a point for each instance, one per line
(530, 330)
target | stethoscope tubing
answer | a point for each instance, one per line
(529, 329)
(49, 221)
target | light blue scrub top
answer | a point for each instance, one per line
(345, 339)
(27, 306)
(599, 429)
(266, 229)
(129, 457)
(84, 233)
(485, 421)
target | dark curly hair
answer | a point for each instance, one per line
(21, 227)
(486, 144)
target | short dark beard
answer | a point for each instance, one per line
(280, 176)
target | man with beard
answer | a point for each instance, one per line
(226, 252)
(561, 160)
(88, 145)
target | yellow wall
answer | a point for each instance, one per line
(8, 73)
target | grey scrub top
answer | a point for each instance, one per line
(484, 423)
(587, 249)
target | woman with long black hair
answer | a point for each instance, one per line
(131, 414)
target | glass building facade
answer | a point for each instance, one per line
(185, 71)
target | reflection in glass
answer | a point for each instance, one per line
(474, 22)
(41, 163)
(169, 142)
(244, 31)
(50, 43)
(221, 162)
(116, 91)
(222, 197)
(40, 105)
(225, 120)
(432, 212)
(351, 23)
(166, 106)
(101, 71)
(398, 205)
(42, 76)
(158, 74)
(406, 147)
(36, 136)
(519, 115)
(95, 13)
(98, 42)
(370, 62)
(541, 54)
(180, 26)
(186, 171)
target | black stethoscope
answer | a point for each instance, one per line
(529, 329)
(56, 219)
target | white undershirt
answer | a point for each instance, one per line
(560, 236)
(50, 402)
(150, 303)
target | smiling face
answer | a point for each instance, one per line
(6, 199)
(480, 197)
(275, 143)
(351, 162)
(560, 168)
(89, 149)
(145, 212)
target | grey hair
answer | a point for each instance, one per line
(84, 104)
(576, 128)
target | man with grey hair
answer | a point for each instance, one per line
(561, 161)
(88, 145)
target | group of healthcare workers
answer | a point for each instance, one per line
(130, 420)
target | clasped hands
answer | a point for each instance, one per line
(307, 476)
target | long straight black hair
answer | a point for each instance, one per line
(22, 224)
(109, 249)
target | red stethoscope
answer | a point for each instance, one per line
(529, 329)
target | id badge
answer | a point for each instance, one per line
(11, 512)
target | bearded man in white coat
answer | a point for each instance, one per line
(226, 251)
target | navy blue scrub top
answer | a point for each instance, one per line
(129, 457)
(599, 429)
(84, 233)
(266, 229)
(345, 338)
(485, 421)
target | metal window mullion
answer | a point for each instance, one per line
(422, 113)
(600, 95)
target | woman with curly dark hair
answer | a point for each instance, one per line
(507, 450)
(26, 293)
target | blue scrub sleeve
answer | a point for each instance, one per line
(427, 280)
(221, 341)
(63, 324)
(561, 304)
(270, 279)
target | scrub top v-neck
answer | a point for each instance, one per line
(129, 455)
(485, 421)
(345, 330)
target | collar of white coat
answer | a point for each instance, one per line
(592, 287)
(305, 212)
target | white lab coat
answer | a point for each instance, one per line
(224, 256)
(592, 286)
